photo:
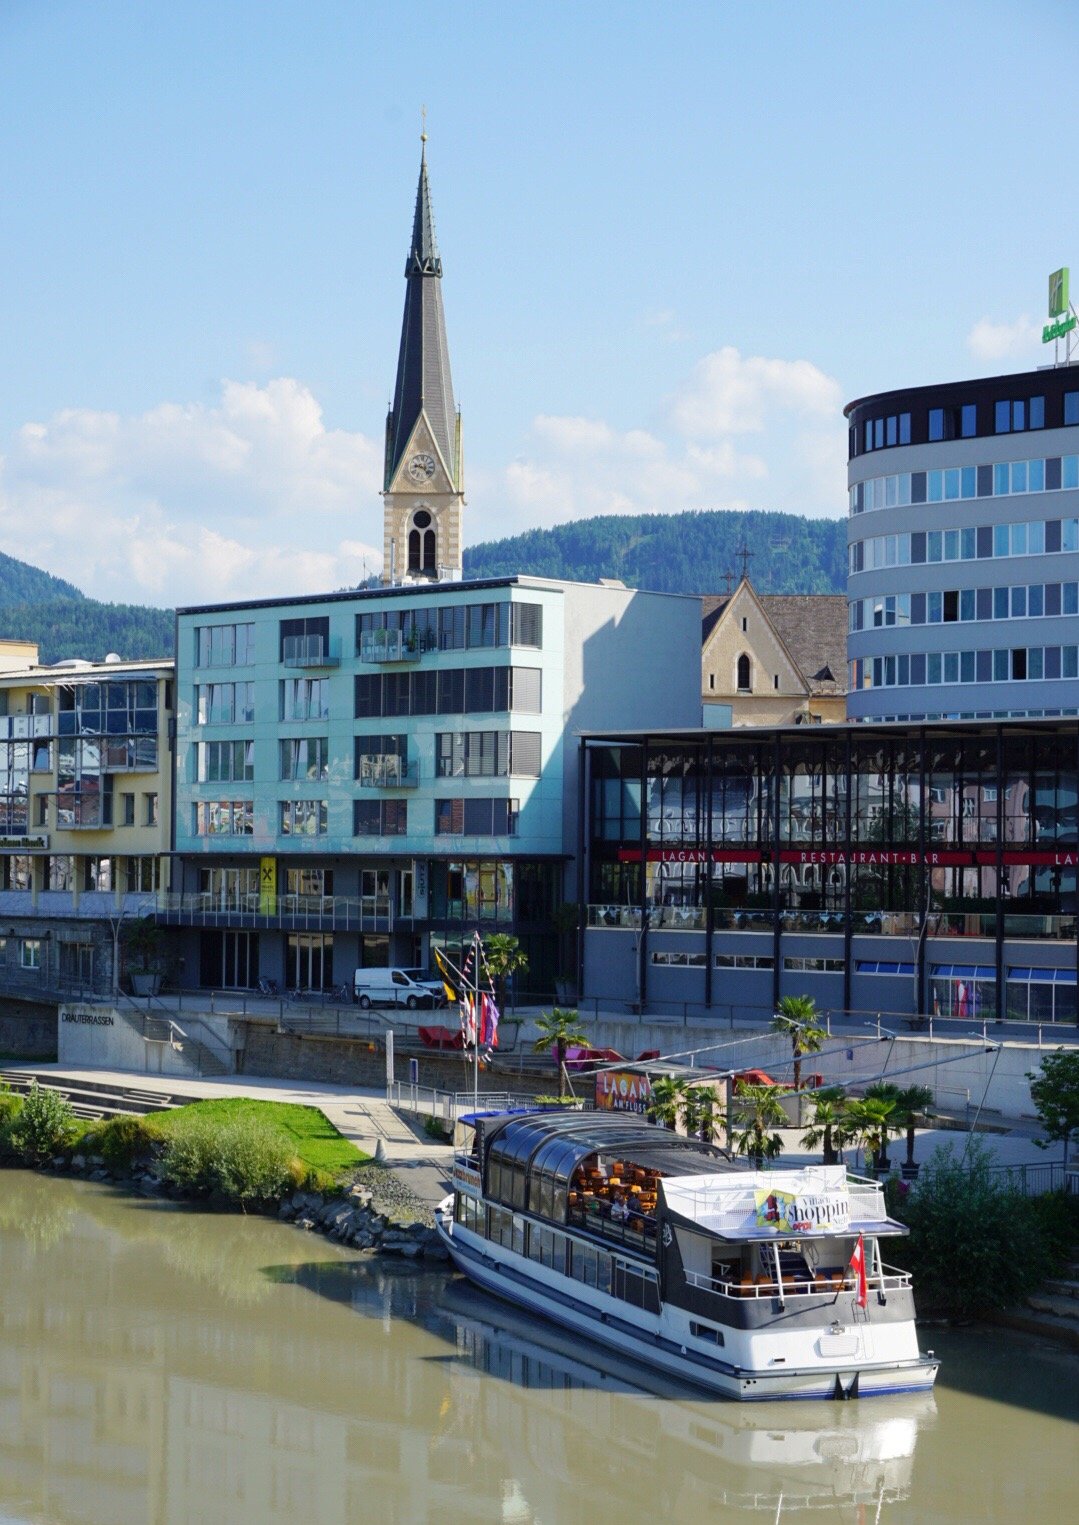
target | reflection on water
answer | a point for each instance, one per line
(160, 1365)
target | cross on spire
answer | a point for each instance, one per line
(747, 555)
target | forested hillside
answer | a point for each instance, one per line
(678, 553)
(34, 606)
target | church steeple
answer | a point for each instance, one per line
(424, 384)
(423, 486)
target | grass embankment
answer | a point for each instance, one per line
(315, 1141)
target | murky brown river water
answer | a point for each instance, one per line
(161, 1365)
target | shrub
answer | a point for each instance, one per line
(43, 1124)
(435, 1127)
(123, 1141)
(976, 1243)
(188, 1155)
(252, 1161)
(10, 1107)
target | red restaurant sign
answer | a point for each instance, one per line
(883, 856)
(622, 1091)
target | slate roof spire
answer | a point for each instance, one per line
(424, 384)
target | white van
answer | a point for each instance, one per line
(398, 987)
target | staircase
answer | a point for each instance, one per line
(93, 1098)
(206, 1055)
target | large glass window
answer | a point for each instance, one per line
(224, 703)
(303, 818)
(305, 699)
(225, 645)
(304, 757)
(476, 817)
(224, 761)
(449, 691)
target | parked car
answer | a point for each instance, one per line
(398, 987)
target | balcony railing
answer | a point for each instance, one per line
(385, 770)
(395, 645)
(310, 651)
(365, 913)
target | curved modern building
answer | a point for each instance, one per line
(963, 536)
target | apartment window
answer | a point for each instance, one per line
(127, 810)
(60, 873)
(304, 699)
(1012, 415)
(224, 703)
(225, 645)
(30, 952)
(380, 818)
(449, 691)
(224, 762)
(526, 625)
(304, 640)
(140, 875)
(98, 874)
(303, 818)
(150, 809)
(476, 818)
(303, 757)
(968, 420)
(224, 818)
(492, 754)
(936, 423)
(1071, 407)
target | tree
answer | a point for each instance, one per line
(872, 1123)
(1055, 1093)
(505, 957)
(797, 1019)
(830, 1127)
(558, 1029)
(913, 1105)
(42, 1125)
(667, 1100)
(760, 1108)
(705, 1112)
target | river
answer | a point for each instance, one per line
(160, 1365)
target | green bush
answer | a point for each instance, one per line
(976, 1243)
(435, 1127)
(43, 1125)
(10, 1107)
(124, 1141)
(187, 1158)
(252, 1161)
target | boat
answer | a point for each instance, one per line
(752, 1284)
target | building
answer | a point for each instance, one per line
(928, 868)
(85, 812)
(363, 774)
(775, 658)
(964, 549)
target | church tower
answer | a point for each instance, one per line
(423, 487)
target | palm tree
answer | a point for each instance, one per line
(558, 1030)
(705, 1112)
(913, 1105)
(761, 1108)
(504, 956)
(830, 1125)
(872, 1119)
(797, 1018)
(666, 1100)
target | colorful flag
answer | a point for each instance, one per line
(857, 1265)
(489, 1015)
(468, 1018)
(447, 975)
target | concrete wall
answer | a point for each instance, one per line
(102, 1037)
(27, 1028)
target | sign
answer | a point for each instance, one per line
(414, 1072)
(89, 1018)
(622, 1091)
(1059, 300)
(885, 857)
(1059, 329)
(23, 844)
(267, 886)
(805, 1212)
(419, 888)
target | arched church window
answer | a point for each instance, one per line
(430, 563)
(421, 518)
(743, 674)
(414, 550)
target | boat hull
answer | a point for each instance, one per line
(662, 1353)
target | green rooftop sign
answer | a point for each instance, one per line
(1058, 292)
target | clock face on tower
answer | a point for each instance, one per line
(421, 468)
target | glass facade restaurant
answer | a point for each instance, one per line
(916, 870)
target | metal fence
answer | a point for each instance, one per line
(1036, 1180)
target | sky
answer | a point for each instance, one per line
(676, 240)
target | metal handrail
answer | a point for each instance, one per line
(891, 1281)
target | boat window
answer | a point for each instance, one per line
(518, 1234)
(494, 1177)
(706, 1332)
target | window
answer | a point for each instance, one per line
(30, 953)
(380, 818)
(745, 623)
(224, 761)
(149, 809)
(304, 640)
(1011, 416)
(775, 680)
(449, 691)
(491, 754)
(936, 423)
(814, 965)
(301, 757)
(224, 818)
(476, 818)
(743, 674)
(303, 818)
(968, 420)
(224, 703)
(1071, 407)
(224, 645)
(140, 874)
(305, 699)
(744, 961)
(127, 810)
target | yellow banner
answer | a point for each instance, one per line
(267, 886)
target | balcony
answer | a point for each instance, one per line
(310, 651)
(293, 912)
(395, 645)
(385, 770)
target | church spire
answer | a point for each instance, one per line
(424, 385)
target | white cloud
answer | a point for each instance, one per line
(993, 342)
(573, 467)
(251, 495)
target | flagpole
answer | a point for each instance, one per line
(475, 1021)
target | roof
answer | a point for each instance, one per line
(812, 626)
(423, 384)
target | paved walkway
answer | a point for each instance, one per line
(362, 1116)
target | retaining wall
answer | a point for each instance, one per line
(27, 1028)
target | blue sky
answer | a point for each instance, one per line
(676, 239)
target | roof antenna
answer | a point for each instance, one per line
(423, 131)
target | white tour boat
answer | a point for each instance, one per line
(753, 1284)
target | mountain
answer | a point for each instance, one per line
(678, 553)
(35, 606)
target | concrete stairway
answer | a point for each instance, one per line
(91, 1098)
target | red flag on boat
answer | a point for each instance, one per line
(857, 1265)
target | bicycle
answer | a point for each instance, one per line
(341, 995)
(267, 987)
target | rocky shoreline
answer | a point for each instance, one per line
(375, 1214)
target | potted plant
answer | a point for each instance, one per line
(143, 944)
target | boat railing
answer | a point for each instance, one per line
(890, 1279)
